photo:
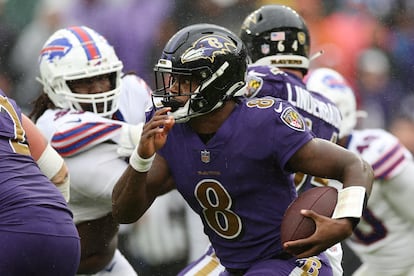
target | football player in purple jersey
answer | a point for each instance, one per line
(232, 159)
(37, 234)
(278, 44)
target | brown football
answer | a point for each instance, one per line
(295, 226)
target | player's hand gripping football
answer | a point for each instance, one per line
(328, 232)
(154, 133)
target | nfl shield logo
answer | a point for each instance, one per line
(205, 156)
(265, 48)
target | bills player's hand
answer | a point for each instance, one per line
(154, 133)
(129, 139)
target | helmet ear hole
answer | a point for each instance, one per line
(198, 104)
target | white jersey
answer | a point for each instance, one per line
(89, 144)
(384, 238)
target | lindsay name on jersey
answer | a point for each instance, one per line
(302, 99)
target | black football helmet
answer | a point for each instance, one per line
(210, 59)
(277, 35)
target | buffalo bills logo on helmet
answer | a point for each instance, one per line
(57, 48)
(208, 47)
(335, 83)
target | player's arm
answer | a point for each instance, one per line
(147, 175)
(37, 142)
(49, 161)
(325, 159)
(77, 132)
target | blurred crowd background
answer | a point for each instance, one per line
(371, 42)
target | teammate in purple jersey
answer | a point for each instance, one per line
(320, 114)
(37, 234)
(232, 159)
(278, 43)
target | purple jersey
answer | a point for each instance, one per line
(321, 115)
(34, 218)
(23, 187)
(237, 182)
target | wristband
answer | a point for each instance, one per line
(50, 162)
(138, 163)
(351, 202)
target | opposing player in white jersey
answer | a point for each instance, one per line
(384, 238)
(92, 116)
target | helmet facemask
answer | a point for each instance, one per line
(194, 86)
(102, 103)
